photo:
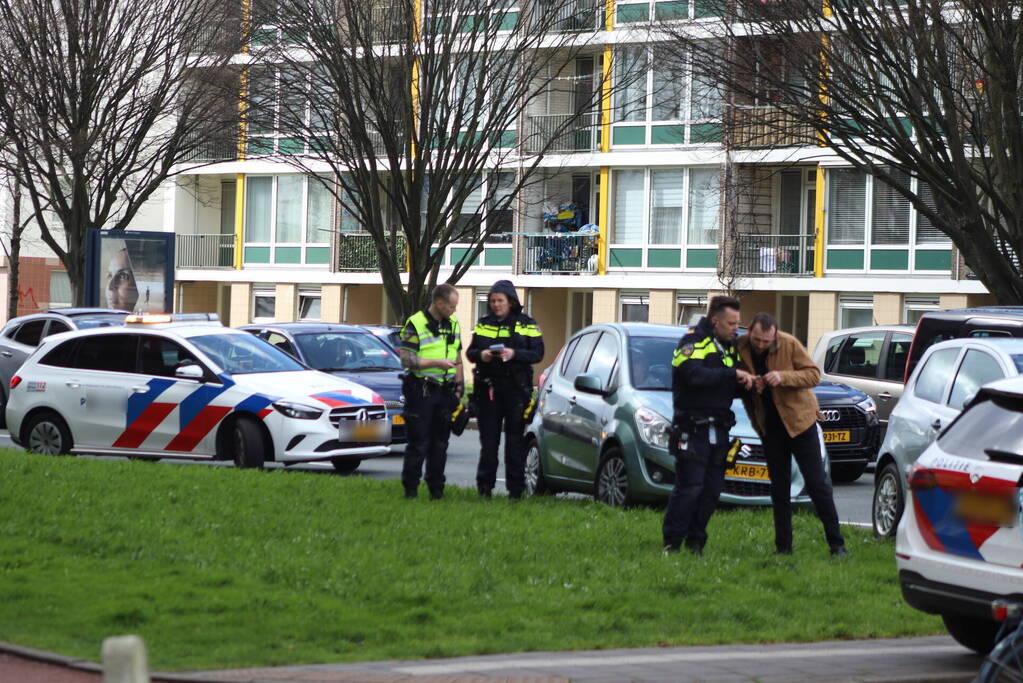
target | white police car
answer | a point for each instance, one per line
(959, 545)
(185, 386)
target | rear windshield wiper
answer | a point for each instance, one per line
(1009, 457)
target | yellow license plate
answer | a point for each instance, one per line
(745, 470)
(398, 419)
(844, 436)
(986, 509)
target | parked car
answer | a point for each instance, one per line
(948, 376)
(345, 351)
(22, 335)
(389, 333)
(981, 321)
(189, 388)
(603, 417)
(871, 359)
(959, 545)
(852, 432)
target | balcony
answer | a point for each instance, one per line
(580, 16)
(560, 253)
(204, 251)
(774, 255)
(766, 126)
(557, 133)
(210, 148)
(356, 252)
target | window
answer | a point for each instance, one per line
(578, 356)
(666, 206)
(63, 356)
(861, 355)
(107, 352)
(634, 307)
(56, 327)
(630, 75)
(285, 213)
(280, 341)
(244, 354)
(914, 307)
(30, 333)
(650, 88)
(264, 303)
(856, 311)
(898, 354)
(60, 289)
(482, 303)
(604, 359)
(972, 436)
(847, 191)
(930, 383)
(161, 357)
(890, 222)
(704, 197)
(309, 299)
(654, 207)
(689, 308)
(629, 200)
(977, 369)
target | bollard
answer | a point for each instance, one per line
(124, 660)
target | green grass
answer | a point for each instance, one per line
(217, 567)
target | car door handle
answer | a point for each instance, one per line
(6, 354)
(936, 425)
(884, 396)
(71, 384)
(548, 389)
(140, 389)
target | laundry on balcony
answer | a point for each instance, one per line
(568, 218)
(563, 252)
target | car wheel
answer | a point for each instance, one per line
(612, 480)
(845, 474)
(345, 465)
(887, 508)
(536, 484)
(248, 447)
(47, 434)
(977, 634)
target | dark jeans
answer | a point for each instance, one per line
(505, 409)
(780, 448)
(699, 476)
(428, 425)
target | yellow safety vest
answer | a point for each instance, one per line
(447, 344)
(702, 349)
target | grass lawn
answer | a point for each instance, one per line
(217, 567)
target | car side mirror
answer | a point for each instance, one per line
(190, 371)
(588, 384)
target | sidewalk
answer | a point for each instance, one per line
(934, 658)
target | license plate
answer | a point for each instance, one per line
(986, 509)
(363, 432)
(745, 470)
(844, 436)
(398, 419)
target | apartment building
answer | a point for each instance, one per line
(818, 244)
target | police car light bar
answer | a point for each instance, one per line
(155, 318)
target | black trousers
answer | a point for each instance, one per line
(699, 476)
(427, 425)
(502, 412)
(780, 448)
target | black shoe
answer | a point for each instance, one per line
(515, 496)
(839, 551)
(484, 492)
(783, 551)
(671, 548)
(436, 495)
(695, 548)
(411, 493)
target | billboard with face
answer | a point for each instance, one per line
(131, 270)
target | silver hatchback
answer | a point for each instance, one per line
(947, 377)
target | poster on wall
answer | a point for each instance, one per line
(130, 270)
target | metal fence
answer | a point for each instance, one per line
(563, 133)
(560, 253)
(204, 251)
(774, 254)
(572, 16)
(207, 148)
(356, 251)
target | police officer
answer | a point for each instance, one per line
(705, 379)
(430, 351)
(505, 345)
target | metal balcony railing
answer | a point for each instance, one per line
(204, 251)
(356, 252)
(560, 253)
(563, 133)
(209, 148)
(774, 255)
(767, 126)
(573, 16)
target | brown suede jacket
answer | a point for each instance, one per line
(794, 398)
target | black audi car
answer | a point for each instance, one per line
(852, 432)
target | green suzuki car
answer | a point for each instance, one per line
(602, 422)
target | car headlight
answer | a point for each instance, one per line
(297, 410)
(653, 427)
(867, 405)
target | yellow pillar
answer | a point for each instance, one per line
(602, 220)
(605, 140)
(818, 226)
(239, 219)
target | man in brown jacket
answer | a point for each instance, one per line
(783, 410)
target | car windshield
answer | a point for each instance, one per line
(99, 320)
(352, 351)
(240, 354)
(650, 362)
(971, 435)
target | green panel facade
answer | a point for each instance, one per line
(705, 132)
(940, 259)
(257, 255)
(497, 257)
(845, 259)
(457, 253)
(317, 255)
(628, 135)
(895, 259)
(701, 258)
(667, 135)
(673, 9)
(626, 258)
(664, 258)
(288, 255)
(629, 14)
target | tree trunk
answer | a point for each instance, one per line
(13, 294)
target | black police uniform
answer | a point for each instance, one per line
(703, 385)
(502, 390)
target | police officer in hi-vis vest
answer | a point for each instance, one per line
(706, 377)
(505, 345)
(431, 346)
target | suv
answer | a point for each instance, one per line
(982, 321)
(871, 359)
(949, 375)
(20, 336)
(959, 543)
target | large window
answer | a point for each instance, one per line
(856, 311)
(704, 198)
(287, 220)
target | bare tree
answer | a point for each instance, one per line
(414, 118)
(921, 94)
(101, 100)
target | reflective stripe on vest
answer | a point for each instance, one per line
(495, 331)
(435, 346)
(701, 350)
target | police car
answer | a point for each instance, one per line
(959, 545)
(184, 386)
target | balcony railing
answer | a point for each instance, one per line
(357, 252)
(774, 255)
(209, 148)
(563, 133)
(560, 253)
(205, 251)
(767, 126)
(576, 16)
